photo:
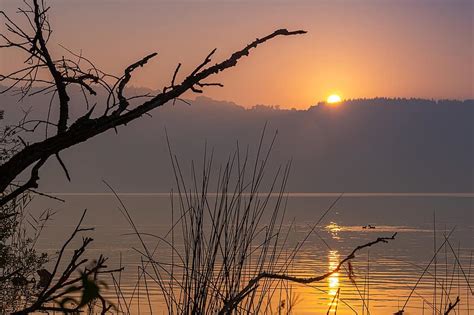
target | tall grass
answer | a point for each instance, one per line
(227, 250)
(229, 232)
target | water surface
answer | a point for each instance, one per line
(382, 276)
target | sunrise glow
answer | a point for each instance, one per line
(271, 170)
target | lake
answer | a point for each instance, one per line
(383, 275)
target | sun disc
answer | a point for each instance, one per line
(334, 98)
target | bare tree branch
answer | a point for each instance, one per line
(31, 183)
(56, 289)
(451, 306)
(253, 283)
(123, 103)
(39, 20)
(66, 71)
(66, 172)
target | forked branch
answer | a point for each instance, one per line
(451, 306)
(57, 286)
(253, 283)
(123, 102)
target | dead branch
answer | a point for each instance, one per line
(451, 306)
(31, 183)
(40, 19)
(253, 283)
(65, 71)
(55, 289)
(123, 103)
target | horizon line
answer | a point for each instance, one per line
(316, 102)
(274, 194)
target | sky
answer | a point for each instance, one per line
(358, 49)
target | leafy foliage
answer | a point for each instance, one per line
(19, 261)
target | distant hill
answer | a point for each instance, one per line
(364, 145)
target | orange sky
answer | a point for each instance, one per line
(363, 48)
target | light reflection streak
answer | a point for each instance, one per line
(333, 280)
(334, 228)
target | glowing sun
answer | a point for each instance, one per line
(334, 98)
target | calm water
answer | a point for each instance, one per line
(384, 274)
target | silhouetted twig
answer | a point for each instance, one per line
(56, 289)
(451, 306)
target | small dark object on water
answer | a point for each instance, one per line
(368, 226)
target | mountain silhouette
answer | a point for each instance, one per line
(362, 145)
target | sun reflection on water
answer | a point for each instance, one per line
(334, 228)
(333, 280)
